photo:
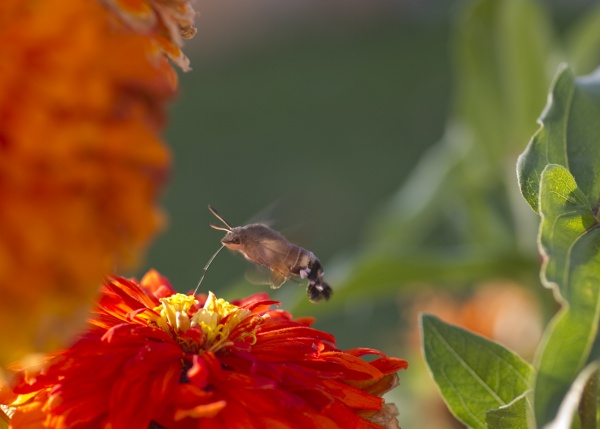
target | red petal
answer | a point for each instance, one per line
(204, 410)
(307, 321)
(238, 417)
(276, 332)
(126, 332)
(130, 293)
(156, 284)
(351, 396)
(198, 374)
(344, 417)
(143, 388)
(356, 368)
(388, 365)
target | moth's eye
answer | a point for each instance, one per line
(236, 240)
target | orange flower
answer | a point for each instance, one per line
(501, 310)
(166, 21)
(156, 358)
(82, 101)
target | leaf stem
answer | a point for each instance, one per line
(588, 405)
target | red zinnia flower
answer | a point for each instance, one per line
(156, 358)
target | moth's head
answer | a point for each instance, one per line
(234, 239)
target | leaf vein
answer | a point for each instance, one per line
(466, 367)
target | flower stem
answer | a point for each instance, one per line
(588, 405)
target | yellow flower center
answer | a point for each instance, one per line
(216, 319)
(174, 311)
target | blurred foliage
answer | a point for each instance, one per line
(459, 218)
(461, 204)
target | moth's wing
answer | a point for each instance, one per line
(266, 215)
(261, 275)
(277, 279)
(258, 275)
(268, 252)
(272, 254)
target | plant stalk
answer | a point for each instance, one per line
(588, 405)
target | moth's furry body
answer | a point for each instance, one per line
(263, 245)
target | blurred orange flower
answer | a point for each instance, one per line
(82, 101)
(501, 310)
(166, 21)
(156, 358)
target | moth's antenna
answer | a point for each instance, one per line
(206, 268)
(219, 227)
(218, 216)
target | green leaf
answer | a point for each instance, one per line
(569, 136)
(567, 200)
(570, 243)
(566, 216)
(512, 416)
(473, 374)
